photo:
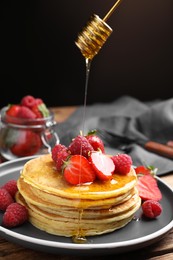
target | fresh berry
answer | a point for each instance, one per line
(15, 215)
(102, 164)
(36, 111)
(56, 149)
(141, 169)
(38, 101)
(40, 109)
(78, 170)
(5, 199)
(123, 163)
(11, 114)
(11, 187)
(28, 143)
(59, 155)
(26, 112)
(13, 110)
(151, 208)
(28, 101)
(144, 170)
(80, 145)
(148, 188)
(95, 141)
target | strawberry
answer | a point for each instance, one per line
(151, 208)
(5, 199)
(11, 187)
(123, 163)
(78, 170)
(144, 170)
(141, 169)
(28, 143)
(15, 215)
(95, 141)
(40, 109)
(102, 164)
(36, 111)
(28, 101)
(25, 112)
(13, 110)
(148, 188)
(11, 114)
(80, 145)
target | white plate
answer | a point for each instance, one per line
(138, 233)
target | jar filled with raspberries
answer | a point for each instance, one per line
(26, 129)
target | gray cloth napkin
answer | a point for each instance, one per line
(130, 117)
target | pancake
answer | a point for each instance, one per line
(68, 210)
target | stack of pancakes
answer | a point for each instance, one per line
(69, 210)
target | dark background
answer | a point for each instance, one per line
(39, 56)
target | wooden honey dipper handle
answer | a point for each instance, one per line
(112, 10)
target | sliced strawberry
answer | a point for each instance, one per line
(102, 164)
(78, 170)
(28, 143)
(148, 188)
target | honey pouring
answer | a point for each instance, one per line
(90, 40)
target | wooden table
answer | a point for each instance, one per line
(161, 250)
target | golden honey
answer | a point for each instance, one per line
(93, 37)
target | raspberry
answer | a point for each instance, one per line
(61, 157)
(56, 149)
(123, 163)
(96, 142)
(80, 145)
(11, 187)
(26, 112)
(38, 101)
(28, 101)
(151, 208)
(5, 199)
(15, 215)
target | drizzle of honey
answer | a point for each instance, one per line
(89, 42)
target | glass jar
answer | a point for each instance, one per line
(21, 137)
